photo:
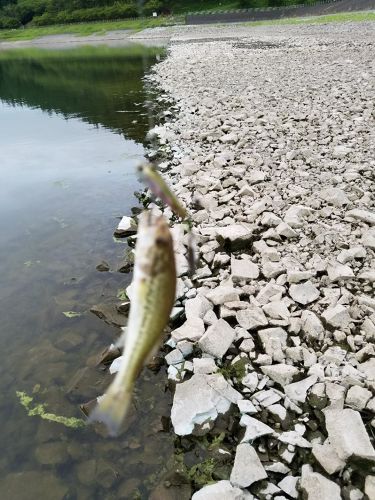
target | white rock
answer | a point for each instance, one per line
(255, 176)
(353, 253)
(246, 406)
(282, 373)
(127, 226)
(357, 397)
(326, 455)
(204, 365)
(368, 238)
(197, 307)
(362, 215)
(222, 294)
(294, 438)
(250, 381)
(217, 339)
(370, 487)
(317, 487)
(334, 196)
(244, 269)
(277, 410)
(199, 401)
(277, 310)
(295, 214)
(237, 235)
(337, 271)
(251, 318)
(283, 229)
(289, 486)
(174, 357)
(368, 368)
(270, 292)
(247, 468)
(312, 326)
(274, 341)
(192, 329)
(278, 468)
(304, 293)
(298, 276)
(347, 434)
(220, 491)
(337, 316)
(272, 269)
(254, 428)
(297, 392)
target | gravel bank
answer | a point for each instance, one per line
(271, 146)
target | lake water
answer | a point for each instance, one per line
(72, 128)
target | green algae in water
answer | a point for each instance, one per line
(39, 410)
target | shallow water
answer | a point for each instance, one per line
(72, 125)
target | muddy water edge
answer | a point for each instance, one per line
(72, 129)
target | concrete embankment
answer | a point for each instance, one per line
(271, 148)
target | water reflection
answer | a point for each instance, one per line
(67, 167)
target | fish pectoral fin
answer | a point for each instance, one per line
(152, 355)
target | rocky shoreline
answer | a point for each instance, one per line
(270, 144)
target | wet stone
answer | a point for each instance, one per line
(32, 485)
(52, 453)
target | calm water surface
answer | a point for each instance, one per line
(72, 124)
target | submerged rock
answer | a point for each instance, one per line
(32, 485)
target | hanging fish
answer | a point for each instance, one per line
(151, 305)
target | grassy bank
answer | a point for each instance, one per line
(85, 29)
(331, 18)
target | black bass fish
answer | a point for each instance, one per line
(154, 295)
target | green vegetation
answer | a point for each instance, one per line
(20, 13)
(332, 18)
(39, 411)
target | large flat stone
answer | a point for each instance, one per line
(217, 339)
(247, 468)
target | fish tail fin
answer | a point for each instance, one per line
(112, 409)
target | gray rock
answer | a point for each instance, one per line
(246, 406)
(370, 487)
(304, 293)
(337, 272)
(297, 392)
(254, 428)
(294, 438)
(362, 215)
(368, 238)
(282, 373)
(244, 269)
(251, 318)
(312, 326)
(237, 235)
(357, 397)
(204, 365)
(347, 434)
(351, 254)
(198, 402)
(274, 341)
(127, 226)
(334, 196)
(217, 339)
(197, 307)
(222, 294)
(192, 329)
(317, 487)
(247, 468)
(326, 455)
(277, 310)
(283, 229)
(368, 368)
(337, 316)
(289, 486)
